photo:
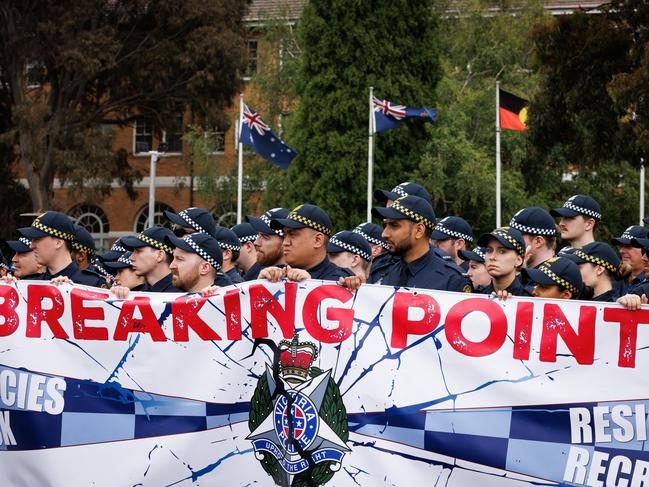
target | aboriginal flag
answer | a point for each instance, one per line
(513, 111)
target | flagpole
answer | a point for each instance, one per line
(370, 158)
(240, 171)
(497, 154)
(641, 190)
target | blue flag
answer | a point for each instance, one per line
(389, 115)
(256, 134)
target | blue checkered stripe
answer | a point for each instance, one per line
(530, 440)
(96, 413)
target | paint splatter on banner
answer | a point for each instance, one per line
(309, 384)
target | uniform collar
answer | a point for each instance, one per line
(68, 271)
(320, 269)
(419, 264)
(162, 285)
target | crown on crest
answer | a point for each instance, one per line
(295, 358)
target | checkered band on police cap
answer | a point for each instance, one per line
(266, 219)
(192, 223)
(455, 234)
(155, 244)
(370, 239)
(584, 211)
(412, 214)
(350, 248)
(52, 231)
(595, 260)
(558, 279)
(295, 216)
(202, 253)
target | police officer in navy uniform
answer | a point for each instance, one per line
(599, 266)
(247, 261)
(351, 251)
(268, 243)
(504, 254)
(151, 257)
(632, 260)
(197, 261)
(83, 253)
(25, 265)
(579, 217)
(382, 263)
(372, 232)
(452, 234)
(52, 235)
(408, 225)
(191, 220)
(230, 247)
(477, 271)
(539, 233)
(307, 230)
(125, 275)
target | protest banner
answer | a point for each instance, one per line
(311, 384)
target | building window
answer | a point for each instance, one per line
(217, 139)
(173, 136)
(93, 219)
(143, 137)
(159, 219)
(252, 59)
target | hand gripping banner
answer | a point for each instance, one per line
(309, 384)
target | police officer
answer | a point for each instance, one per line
(351, 251)
(599, 266)
(477, 270)
(83, 253)
(4, 265)
(191, 220)
(371, 232)
(539, 232)
(579, 217)
(268, 243)
(151, 257)
(197, 260)
(247, 261)
(52, 234)
(114, 253)
(230, 247)
(453, 234)
(632, 261)
(556, 278)
(307, 229)
(25, 265)
(504, 254)
(125, 275)
(408, 225)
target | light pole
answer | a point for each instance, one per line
(155, 155)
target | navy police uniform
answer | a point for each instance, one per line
(429, 271)
(633, 232)
(601, 254)
(314, 217)
(455, 228)
(227, 239)
(198, 219)
(158, 238)
(58, 225)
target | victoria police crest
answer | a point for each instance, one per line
(298, 422)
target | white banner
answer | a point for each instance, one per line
(310, 384)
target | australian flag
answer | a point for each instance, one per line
(388, 115)
(256, 134)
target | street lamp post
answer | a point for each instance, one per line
(155, 155)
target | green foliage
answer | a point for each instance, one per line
(589, 115)
(459, 165)
(345, 48)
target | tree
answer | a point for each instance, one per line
(345, 48)
(68, 67)
(589, 116)
(483, 41)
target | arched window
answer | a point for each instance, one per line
(227, 219)
(93, 219)
(142, 218)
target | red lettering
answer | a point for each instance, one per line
(185, 316)
(523, 330)
(263, 302)
(402, 325)
(8, 310)
(497, 327)
(36, 314)
(80, 314)
(344, 317)
(126, 323)
(629, 321)
(232, 304)
(580, 344)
